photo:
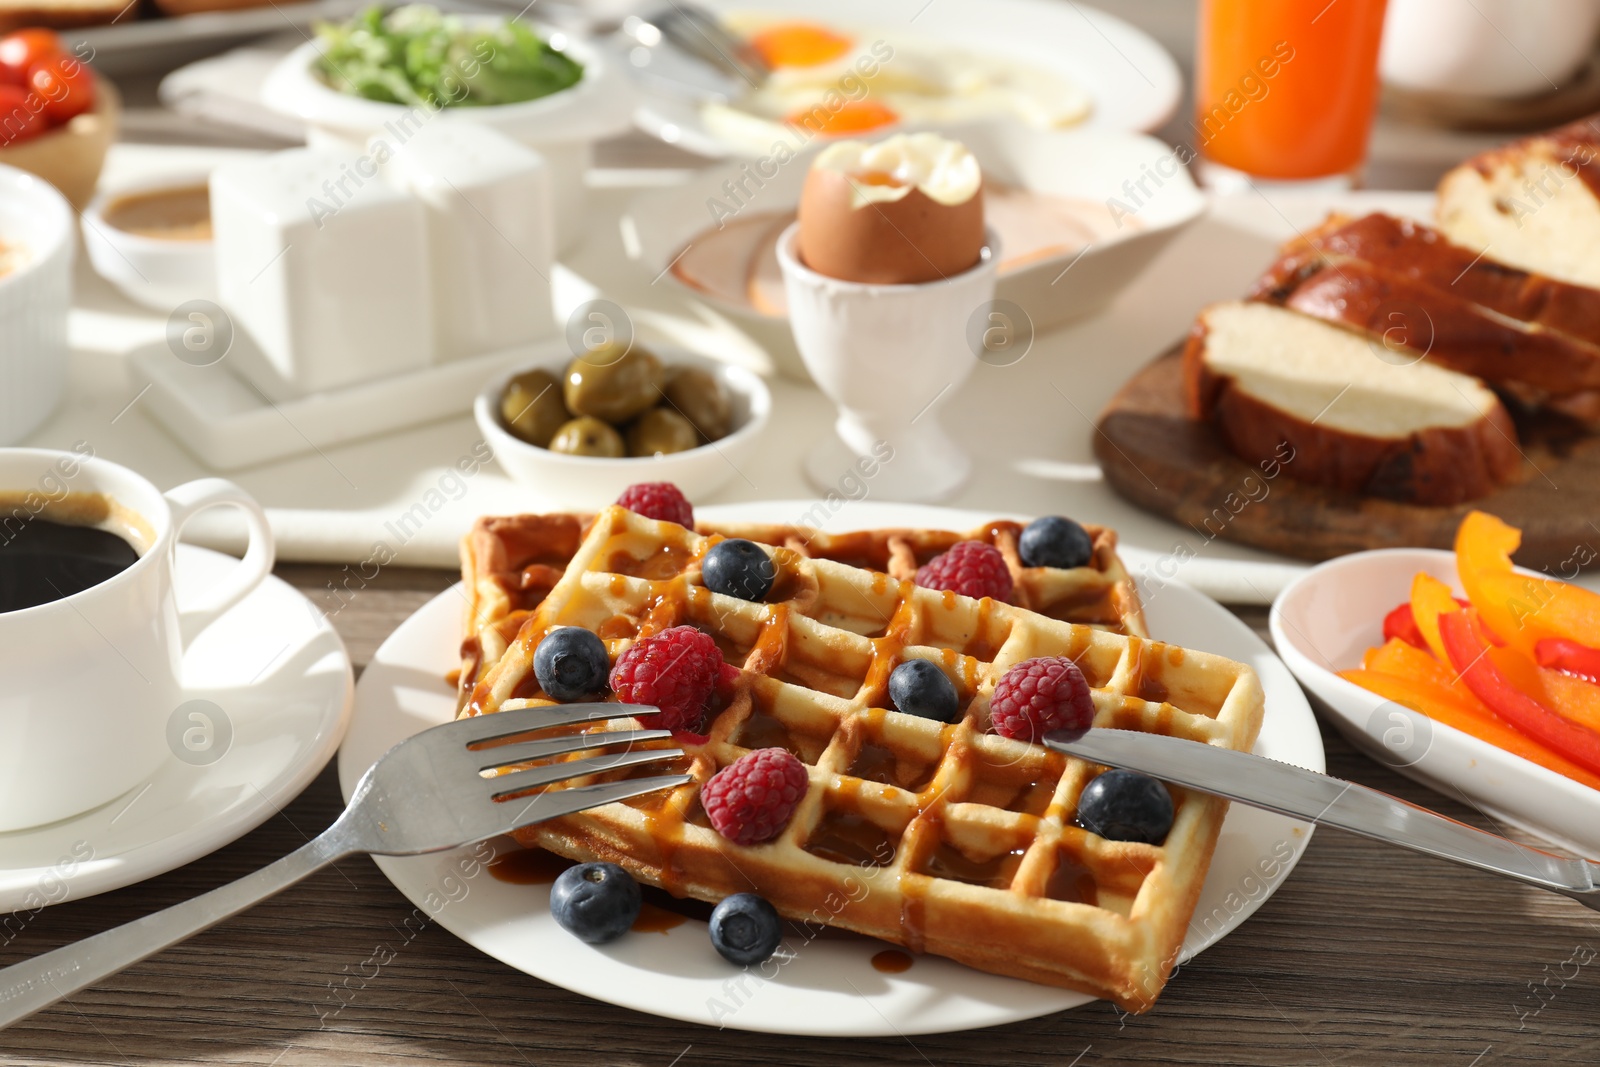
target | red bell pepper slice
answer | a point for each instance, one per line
(1560, 654)
(1468, 655)
(1402, 624)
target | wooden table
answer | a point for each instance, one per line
(1365, 955)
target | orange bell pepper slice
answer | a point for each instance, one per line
(1404, 660)
(1431, 598)
(1520, 608)
(1444, 705)
(1571, 698)
(1474, 659)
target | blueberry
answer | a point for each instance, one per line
(745, 929)
(738, 568)
(1126, 806)
(919, 687)
(571, 664)
(595, 902)
(1055, 542)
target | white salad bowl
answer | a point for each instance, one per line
(563, 126)
(1328, 617)
(562, 481)
(1143, 181)
(34, 298)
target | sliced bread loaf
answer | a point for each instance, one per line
(1277, 383)
(1533, 203)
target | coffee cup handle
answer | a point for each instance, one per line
(187, 501)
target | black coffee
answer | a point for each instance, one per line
(42, 560)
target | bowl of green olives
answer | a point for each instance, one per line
(579, 430)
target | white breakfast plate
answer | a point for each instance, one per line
(830, 988)
(1327, 618)
(1133, 83)
(279, 674)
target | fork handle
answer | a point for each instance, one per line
(38, 983)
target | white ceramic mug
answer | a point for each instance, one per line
(93, 678)
(36, 222)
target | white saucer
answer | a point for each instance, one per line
(280, 674)
(830, 988)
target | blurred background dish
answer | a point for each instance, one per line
(152, 239)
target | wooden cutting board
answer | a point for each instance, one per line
(1167, 463)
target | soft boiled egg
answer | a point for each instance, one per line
(901, 211)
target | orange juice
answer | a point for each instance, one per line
(1285, 89)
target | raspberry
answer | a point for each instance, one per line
(971, 568)
(750, 800)
(676, 670)
(658, 500)
(1040, 695)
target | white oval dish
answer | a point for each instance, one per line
(33, 301)
(1083, 164)
(563, 126)
(157, 273)
(563, 481)
(1329, 616)
(830, 988)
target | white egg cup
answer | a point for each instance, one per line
(890, 356)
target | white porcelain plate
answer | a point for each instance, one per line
(280, 675)
(1133, 82)
(830, 988)
(1326, 619)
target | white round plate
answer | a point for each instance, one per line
(1133, 81)
(280, 674)
(830, 988)
(1328, 617)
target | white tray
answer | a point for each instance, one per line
(1028, 426)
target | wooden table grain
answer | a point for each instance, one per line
(1365, 955)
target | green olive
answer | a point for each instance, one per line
(613, 383)
(531, 407)
(587, 436)
(700, 398)
(660, 431)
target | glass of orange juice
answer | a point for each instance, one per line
(1285, 89)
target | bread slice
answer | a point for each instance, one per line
(1410, 317)
(1421, 254)
(1533, 203)
(1336, 410)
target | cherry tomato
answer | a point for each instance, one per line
(21, 118)
(66, 85)
(22, 49)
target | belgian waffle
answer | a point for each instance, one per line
(942, 838)
(510, 563)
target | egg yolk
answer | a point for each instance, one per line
(799, 44)
(856, 116)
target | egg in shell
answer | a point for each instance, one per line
(901, 211)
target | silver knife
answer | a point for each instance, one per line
(1326, 801)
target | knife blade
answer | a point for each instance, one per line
(1327, 801)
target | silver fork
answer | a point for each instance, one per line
(427, 794)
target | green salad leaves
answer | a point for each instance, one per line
(418, 56)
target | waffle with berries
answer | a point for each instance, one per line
(944, 838)
(510, 563)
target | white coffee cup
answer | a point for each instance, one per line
(93, 679)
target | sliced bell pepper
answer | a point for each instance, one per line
(1560, 654)
(1571, 698)
(1431, 598)
(1471, 656)
(1446, 706)
(1406, 661)
(1401, 625)
(1520, 608)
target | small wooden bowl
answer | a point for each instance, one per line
(69, 157)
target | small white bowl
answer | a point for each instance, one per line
(1154, 200)
(1328, 617)
(33, 302)
(157, 273)
(563, 126)
(560, 480)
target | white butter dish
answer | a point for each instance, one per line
(324, 267)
